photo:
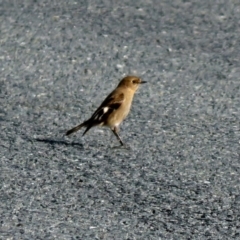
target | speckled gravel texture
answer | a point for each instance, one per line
(179, 177)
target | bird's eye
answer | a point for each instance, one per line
(135, 81)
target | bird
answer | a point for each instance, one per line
(114, 109)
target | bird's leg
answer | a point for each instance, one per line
(115, 131)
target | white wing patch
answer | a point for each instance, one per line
(105, 109)
(100, 114)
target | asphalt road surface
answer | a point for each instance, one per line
(178, 177)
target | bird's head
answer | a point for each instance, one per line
(131, 82)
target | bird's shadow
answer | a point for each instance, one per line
(57, 142)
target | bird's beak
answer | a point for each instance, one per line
(143, 82)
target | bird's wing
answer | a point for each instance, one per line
(100, 116)
(111, 103)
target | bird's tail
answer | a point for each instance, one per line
(75, 129)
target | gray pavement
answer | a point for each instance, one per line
(181, 177)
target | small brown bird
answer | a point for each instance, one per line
(114, 108)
